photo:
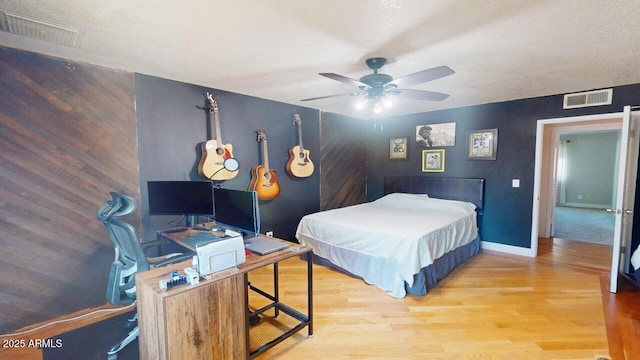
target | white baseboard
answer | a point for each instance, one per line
(509, 249)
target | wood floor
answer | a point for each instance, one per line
(494, 306)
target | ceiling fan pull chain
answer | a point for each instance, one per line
(375, 124)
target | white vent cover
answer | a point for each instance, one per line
(588, 98)
(38, 29)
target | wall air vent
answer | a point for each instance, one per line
(588, 98)
(38, 29)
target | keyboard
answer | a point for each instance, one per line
(202, 238)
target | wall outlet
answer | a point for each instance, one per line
(269, 233)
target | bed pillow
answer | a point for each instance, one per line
(419, 201)
(402, 199)
(453, 204)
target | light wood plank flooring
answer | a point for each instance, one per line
(494, 306)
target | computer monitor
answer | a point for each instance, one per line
(237, 210)
(188, 198)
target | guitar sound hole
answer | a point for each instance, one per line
(301, 155)
(219, 151)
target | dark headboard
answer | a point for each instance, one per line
(462, 189)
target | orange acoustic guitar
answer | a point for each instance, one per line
(263, 180)
(299, 164)
(214, 152)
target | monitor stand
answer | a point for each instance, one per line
(190, 220)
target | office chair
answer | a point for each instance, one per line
(130, 258)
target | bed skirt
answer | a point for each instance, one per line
(429, 276)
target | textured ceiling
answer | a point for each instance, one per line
(274, 49)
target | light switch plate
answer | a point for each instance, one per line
(515, 183)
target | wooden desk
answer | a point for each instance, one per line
(210, 320)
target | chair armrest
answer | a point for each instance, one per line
(165, 260)
(146, 244)
(159, 244)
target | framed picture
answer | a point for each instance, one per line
(482, 144)
(433, 160)
(436, 135)
(398, 148)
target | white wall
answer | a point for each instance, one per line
(590, 163)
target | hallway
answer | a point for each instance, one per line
(584, 224)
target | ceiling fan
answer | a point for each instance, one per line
(375, 86)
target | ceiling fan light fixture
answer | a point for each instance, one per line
(377, 88)
(377, 107)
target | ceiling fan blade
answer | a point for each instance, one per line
(422, 76)
(332, 96)
(344, 79)
(422, 94)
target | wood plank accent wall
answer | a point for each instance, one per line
(67, 138)
(343, 161)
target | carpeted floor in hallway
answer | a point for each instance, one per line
(590, 225)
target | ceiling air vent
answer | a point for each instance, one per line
(588, 98)
(38, 29)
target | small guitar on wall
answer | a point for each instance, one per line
(217, 161)
(299, 164)
(263, 179)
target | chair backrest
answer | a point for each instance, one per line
(130, 258)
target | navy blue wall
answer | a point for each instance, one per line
(171, 128)
(507, 216)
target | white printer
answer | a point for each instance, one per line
(220, 254)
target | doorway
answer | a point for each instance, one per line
(586, 165)
(545, 184)
(625, 188)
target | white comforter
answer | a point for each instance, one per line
(389, 240)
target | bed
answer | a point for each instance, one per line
(405, 241)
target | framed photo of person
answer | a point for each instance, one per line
(482, 144)
(398, 148)
(436, 135)
(433, 160)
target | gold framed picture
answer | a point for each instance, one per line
(433, 160)
(482, 144)
(398, 149)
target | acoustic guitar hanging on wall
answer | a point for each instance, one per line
(217, 161)
(299, 164)
(263, 179)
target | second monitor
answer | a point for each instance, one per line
(237, 210)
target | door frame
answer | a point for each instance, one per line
(542, 160)
(552, 153)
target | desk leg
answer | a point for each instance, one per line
(246, 318)
(310, 291)
(276, 288)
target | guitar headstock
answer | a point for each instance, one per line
(262, 135)
(296, 119)
(212, 104)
